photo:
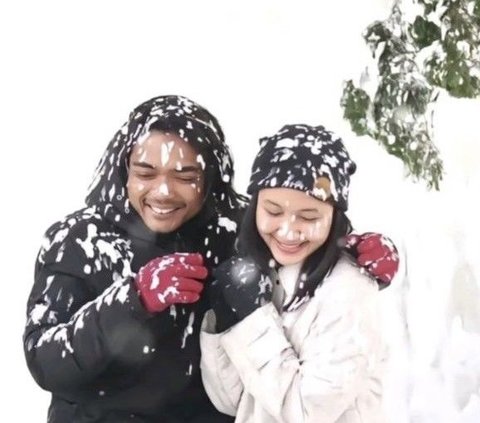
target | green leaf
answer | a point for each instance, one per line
(400, 114)
(425, 32)
(356, 104)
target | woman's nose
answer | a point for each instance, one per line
(288, 230)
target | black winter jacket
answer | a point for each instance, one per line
(88, 338)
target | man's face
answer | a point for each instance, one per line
(292, 224)
(165, 181)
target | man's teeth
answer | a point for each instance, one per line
(161, 211)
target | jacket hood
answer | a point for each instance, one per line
(195, 125)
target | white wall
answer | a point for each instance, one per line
(71, 71)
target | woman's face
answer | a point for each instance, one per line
(292, 224)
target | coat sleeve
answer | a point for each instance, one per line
(71, 334)
(321, 380)
(220, 378)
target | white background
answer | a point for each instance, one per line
(71, 71)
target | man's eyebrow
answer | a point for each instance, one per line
(188, 169)
(143, 164)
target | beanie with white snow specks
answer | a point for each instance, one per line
(306, 158)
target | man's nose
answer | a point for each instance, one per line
(163, 187)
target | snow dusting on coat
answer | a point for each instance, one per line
(88, 338)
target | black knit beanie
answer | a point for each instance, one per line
(307, 158)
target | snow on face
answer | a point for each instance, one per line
(287, 231)
(292, 224)
(165, 150)
(163, 189)
(172, 182)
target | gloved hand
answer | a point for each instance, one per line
(238, 290)
(171, 279)
(375, 253)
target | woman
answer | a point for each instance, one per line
(294, 335)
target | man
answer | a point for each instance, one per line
(119, 293)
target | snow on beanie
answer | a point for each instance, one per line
(307, 158)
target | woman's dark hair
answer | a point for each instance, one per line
(315, 268)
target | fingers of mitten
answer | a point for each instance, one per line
(188, 285)
(168, 260)
(161, 262)
(180, 291)
(195, 259)
(187, 271)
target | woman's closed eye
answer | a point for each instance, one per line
(309, 218)
(274, 213)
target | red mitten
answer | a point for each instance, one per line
(375, 253)
(171, 279)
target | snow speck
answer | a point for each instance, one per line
(287, 143)
(165, 152)
(37, 313)
(163, 189)
(227, 223)
(189, 329)
(162, 296)
(87, 244)
(201, 161)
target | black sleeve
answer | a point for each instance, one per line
(73, 334)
